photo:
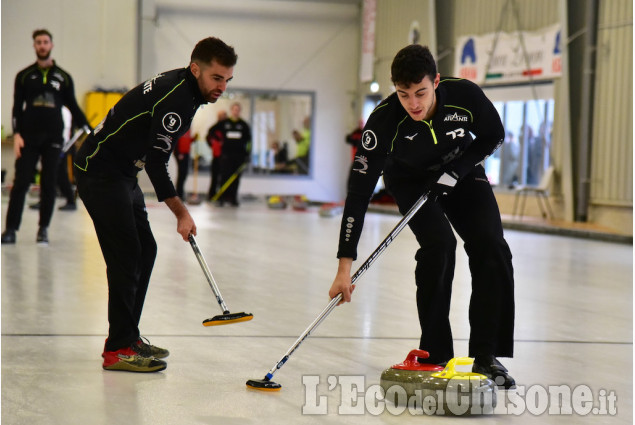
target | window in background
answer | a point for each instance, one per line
(527, 114)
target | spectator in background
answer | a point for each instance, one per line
(236, 136)
(511, 160)
(280, 156)
(182, 155)
(40, 91)
(215, 141)
(303, 145)
(354, 137)
(534, 156)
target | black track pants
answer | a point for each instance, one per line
(229, 165)
(473, 212)
(36, 146)
(118, 210)
(214, 184)
(63, 179)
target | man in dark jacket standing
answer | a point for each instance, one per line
(41, 90)
(236, 135)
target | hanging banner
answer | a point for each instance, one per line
(518, 56)
(368, 41)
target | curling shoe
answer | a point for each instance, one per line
(42, 236)
(493, 369)
(130, 360)
(8, 237)
(144, 347)
(69, 206)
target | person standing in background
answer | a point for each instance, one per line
(215, 141)
(182, 155)
(354, 137)
(236, 135)
(41, 90)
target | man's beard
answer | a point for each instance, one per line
(43, 57)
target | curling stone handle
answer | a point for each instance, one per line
(450, 368)
(413, 354)
(461, 361)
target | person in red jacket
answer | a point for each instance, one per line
(182, 155)
(215, 139)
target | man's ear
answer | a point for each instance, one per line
(196, 70)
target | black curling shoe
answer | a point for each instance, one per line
(8, 236)
(493, 369)
(42, 236)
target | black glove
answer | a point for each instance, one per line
(442, 184)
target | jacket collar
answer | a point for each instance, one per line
(196, 92)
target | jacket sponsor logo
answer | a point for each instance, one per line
(456, 117)
(56, 84)
(147, 86)
(172, 122)
(369, 140)
(168, 142)
(411, 138)
(234, 134)
(363, 161)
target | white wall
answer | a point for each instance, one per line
(94, 40)
(284, 45)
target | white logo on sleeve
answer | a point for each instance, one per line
(363, 161)
(349, 228)
(369, 140)
(172, 122)
(168, 143)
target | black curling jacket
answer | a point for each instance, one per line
(464, 130)
(38, 97)
(142, 130)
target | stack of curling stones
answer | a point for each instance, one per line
(442, 391)
(279, 202)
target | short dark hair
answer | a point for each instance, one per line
(412, 64)
(212, 48)
(42, 31)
